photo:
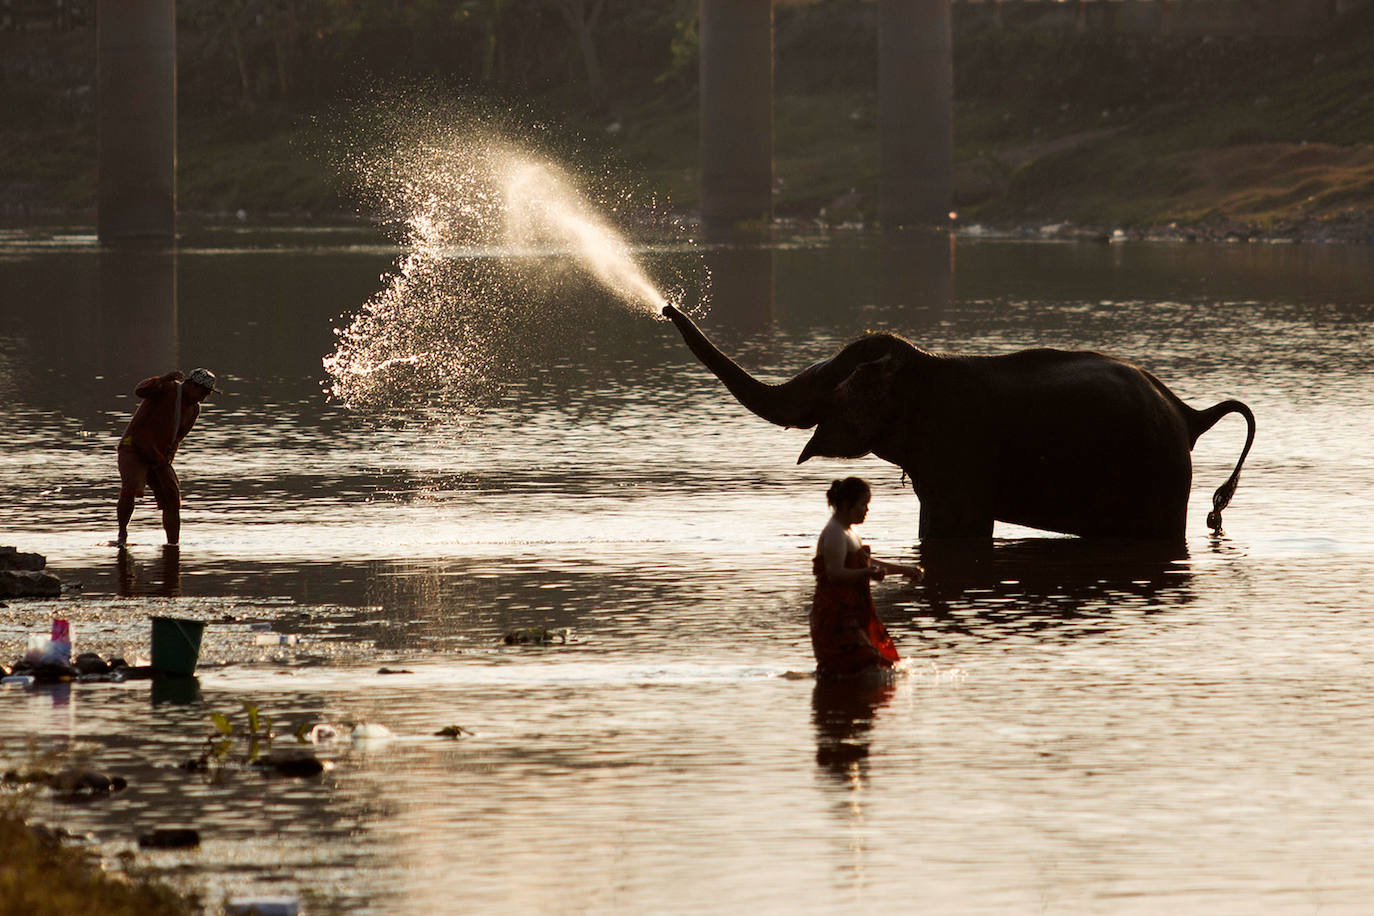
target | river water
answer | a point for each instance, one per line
(1078, 728)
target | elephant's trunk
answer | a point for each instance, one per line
(788, 404)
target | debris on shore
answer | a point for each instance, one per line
(88, 667)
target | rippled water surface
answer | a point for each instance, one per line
(1078, 728)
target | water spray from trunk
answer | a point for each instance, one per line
(491, 229)
(543, 207)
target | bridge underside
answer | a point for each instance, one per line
(915, 104)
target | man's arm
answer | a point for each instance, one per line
(150, 386)
(195, 413)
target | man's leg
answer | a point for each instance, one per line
(133, 477)
(167, 489)
(124, 511)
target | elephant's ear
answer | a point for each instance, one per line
(867, 394)
(856, 413)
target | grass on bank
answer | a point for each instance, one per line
(42, 878)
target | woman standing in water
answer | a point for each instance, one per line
(846, 634)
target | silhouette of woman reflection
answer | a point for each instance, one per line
(843, 711)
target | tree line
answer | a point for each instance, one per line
(251, 52)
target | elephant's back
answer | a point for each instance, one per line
(1086, 392)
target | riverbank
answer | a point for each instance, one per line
(1150, 136)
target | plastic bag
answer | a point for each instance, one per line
(51, 650)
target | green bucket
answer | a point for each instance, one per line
(176, 645)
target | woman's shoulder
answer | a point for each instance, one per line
(834, 534)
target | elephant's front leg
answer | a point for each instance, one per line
(955, 512)
(954, 522)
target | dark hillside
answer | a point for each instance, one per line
(1239, 135)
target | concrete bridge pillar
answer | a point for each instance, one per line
(736, 111)
(915, 112)
(136, 74)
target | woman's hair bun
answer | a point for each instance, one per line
(847, 492)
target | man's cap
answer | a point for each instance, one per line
(204, 378)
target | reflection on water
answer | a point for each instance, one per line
(138, 578)
(1049, 584)
(136, 316)
(741, 287)
(843, 711)
(1079, 726)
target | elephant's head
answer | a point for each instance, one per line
(850, 398)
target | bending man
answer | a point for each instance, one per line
(170, 406)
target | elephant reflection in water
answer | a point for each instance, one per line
(1072, 442)
(1054, 587)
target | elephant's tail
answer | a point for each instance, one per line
(1204, 420)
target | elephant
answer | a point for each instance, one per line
(1072, 442)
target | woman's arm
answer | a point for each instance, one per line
(914, 573)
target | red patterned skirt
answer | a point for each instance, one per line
(846, 634)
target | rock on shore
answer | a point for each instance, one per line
(24, 575)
